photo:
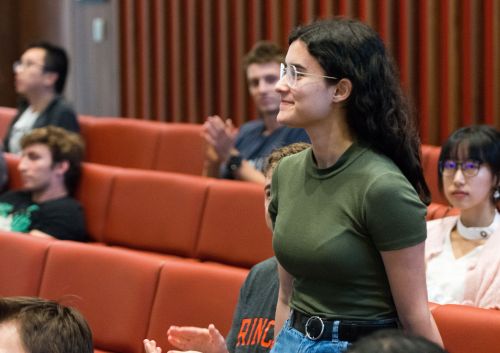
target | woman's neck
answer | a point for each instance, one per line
(478, 217)
(329, 141)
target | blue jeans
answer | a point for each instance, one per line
(290, 340)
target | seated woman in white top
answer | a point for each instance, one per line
(463, 252)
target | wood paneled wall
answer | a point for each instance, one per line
(181, 60)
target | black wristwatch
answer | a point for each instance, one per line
(234, 163)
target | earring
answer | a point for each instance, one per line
(496, 194)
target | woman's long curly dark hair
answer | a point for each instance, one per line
(377, 110)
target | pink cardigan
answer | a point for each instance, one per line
(482, 282)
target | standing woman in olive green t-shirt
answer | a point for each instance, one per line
(349, 213)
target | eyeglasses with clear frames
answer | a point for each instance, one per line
(290, 73)
(19, 65)
(469, 168)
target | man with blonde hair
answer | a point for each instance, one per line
(50, 168)
(241, 153)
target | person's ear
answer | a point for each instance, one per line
(342, 90)
(50, 78)
(61, 167)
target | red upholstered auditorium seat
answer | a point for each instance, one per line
(467, 329)
(437, 210)
(94, 192)
(194, 294)
(6, 116)
(156, 211)
(12, 161)
(122, 142)
(86, 122)
(181, 149)
(233, 230)
(22, 262)
(113, 288)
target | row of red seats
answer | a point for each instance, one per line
(171, 214)
(127, 296)
(158, 227)
(124, 295)
(173, 147)
(131, 143)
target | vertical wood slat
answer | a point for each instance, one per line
(128, 63)
(423, 70)
(221, 63)
(383, 21)
(489, 70)
(254, 28)
(182, 60)
(343, 8)
(453, 67)
(466, 55)
(206, 75)
(477, 70)
(236, 77)
(444, 58)
(176, 60)
(189, 62)
(144, 63)
(159, 58)
(403, 42)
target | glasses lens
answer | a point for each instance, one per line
(448, 167)
(292, 75)
(470, 168)
(282, 71)
(16, 65)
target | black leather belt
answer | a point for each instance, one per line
(316, 328)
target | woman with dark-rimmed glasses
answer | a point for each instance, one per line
(462, 252)
(348, 213)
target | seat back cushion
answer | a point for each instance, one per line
(86, 122)
(156, 211)
(234, 230)
(6, 116)
(22, 261)
(94, 193)
(466, 329)
(122, 142)
(113, 288)
(181, 149)
(437, 210)
(12, 161)
(194, 294)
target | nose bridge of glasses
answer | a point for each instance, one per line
(458, 173)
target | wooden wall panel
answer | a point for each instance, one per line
(182, 60)
(11, 50)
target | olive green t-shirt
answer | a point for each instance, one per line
(331, 224)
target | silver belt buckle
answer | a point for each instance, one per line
(312, 327)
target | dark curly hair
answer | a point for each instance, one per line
(377, 110)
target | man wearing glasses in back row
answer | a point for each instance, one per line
(40, 76)
(240, 154)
